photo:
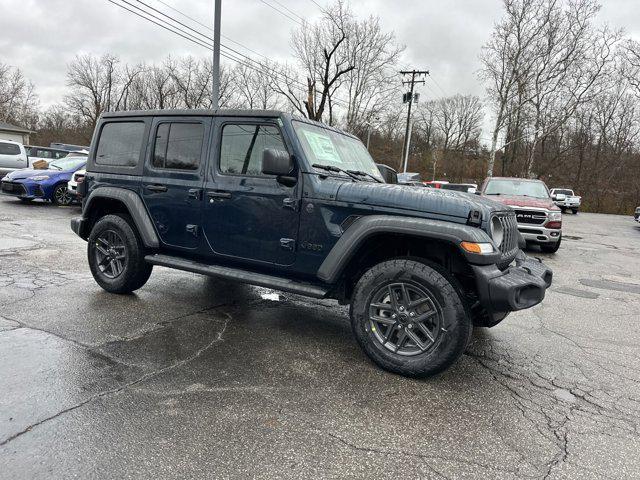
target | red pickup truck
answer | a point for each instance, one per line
(539, 218)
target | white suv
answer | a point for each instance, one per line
(13, 156)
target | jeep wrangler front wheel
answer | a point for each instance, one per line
(409, 318)
(116, 255)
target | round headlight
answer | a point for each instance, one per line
(497, 231)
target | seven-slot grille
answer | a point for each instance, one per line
(531, 217)
(509, 245)
(14, 188)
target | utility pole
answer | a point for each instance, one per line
(409, 98)
(215, 94)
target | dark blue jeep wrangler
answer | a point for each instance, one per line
(265, 198)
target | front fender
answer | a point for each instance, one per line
(368, 226)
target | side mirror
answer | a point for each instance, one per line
(278, 163)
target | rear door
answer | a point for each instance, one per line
(173, 178)
(247, 215)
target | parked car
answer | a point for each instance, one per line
(636, 215)
(410, 178)
(539, 219)
(44, 153)
(566, 199)
(72, 185)
(295, 205)
(12, 156)
(70, 148)
(460, 187)
(49, 184)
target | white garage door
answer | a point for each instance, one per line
(14, 137)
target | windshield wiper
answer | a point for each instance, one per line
(331, 168)
(364, 174)
(55, 166)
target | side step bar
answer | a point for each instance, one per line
(238, 275)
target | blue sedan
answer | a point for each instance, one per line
(50, 184)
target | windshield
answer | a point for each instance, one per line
(517, 187)
(563, 192)
(68, 163)
(327, 147)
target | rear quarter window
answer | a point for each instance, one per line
(9, 149)
(120, 144)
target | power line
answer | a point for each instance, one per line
(282, 13)
(161, 22)
(289, 10)
(209, 28)
(317, 4)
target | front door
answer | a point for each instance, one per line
(247, 215)
(173, 179)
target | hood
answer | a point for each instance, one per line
(521, 201)
(26, 173)
(421, 199)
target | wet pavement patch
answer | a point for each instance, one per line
(575, 292)
(571, 237)
(611, 285)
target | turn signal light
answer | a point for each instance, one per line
(480, 248)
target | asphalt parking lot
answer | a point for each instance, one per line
(192, 377)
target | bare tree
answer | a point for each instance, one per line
(18, 100)
(322, 52)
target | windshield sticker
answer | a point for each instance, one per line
(322, 147)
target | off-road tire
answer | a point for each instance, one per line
(456, 323)
(551, 248)
(136, 271)
(575, 211)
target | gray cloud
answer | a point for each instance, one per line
(41, 37)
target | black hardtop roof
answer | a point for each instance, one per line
(219, 113)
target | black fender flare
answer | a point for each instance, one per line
(134, 205)
(368, 226)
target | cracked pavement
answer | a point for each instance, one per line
(194, 377)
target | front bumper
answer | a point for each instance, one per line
(519, 286)
(539, 233)
(78, 225)
(22, 189)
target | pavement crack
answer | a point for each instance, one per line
(217, 339)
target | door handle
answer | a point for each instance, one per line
(291, 203)
(194, 193)
(157, 188)
(218, 194)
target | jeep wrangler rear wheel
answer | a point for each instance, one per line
(116, 255)
(409, 318)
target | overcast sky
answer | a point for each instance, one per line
(443, 36)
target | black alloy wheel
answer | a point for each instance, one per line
(405, 319)
(110, 254)
(61, 195)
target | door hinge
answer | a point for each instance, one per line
(287, 244)
(192, 229)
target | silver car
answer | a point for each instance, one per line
(12, 157)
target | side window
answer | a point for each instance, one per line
(9, 149)
(178, 146)
(120, 144)
(242, 146)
